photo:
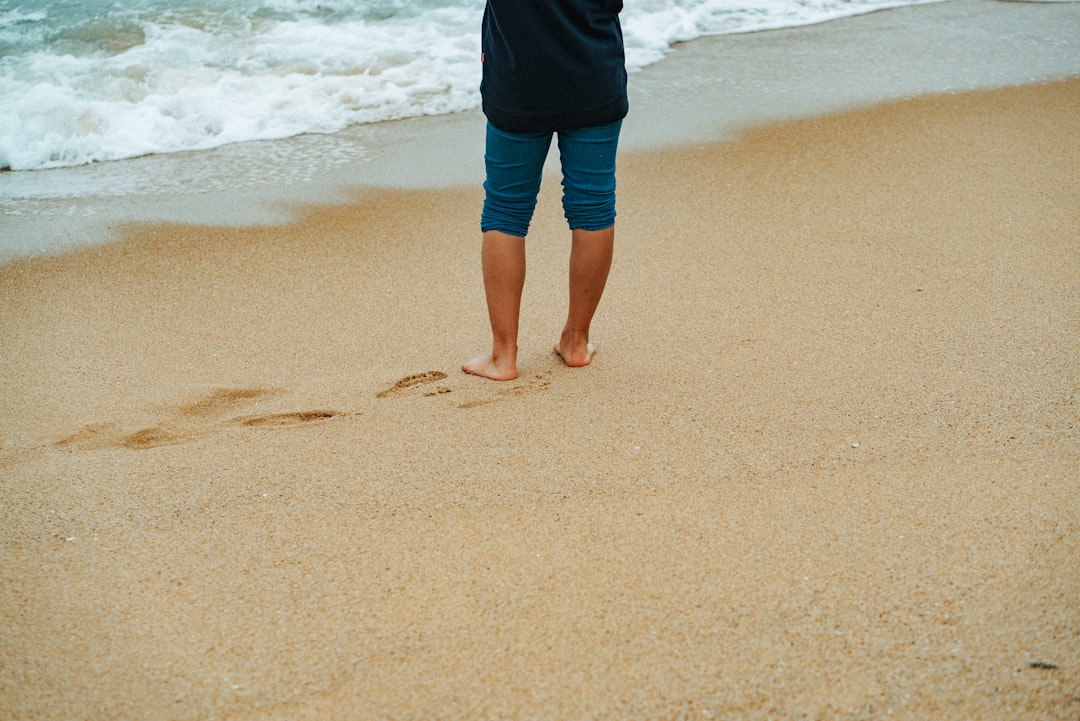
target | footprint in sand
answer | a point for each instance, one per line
(282, 420)
(536, 384)
(195, 420)
(191, 421)
(223, 401)
(102, 436)
(94, 437)
(409, 382)
(156, 436)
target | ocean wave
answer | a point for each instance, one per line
(125, 79)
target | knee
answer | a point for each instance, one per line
(589, 208)
(509, 213)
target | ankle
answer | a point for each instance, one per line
(504, 354)
(574, 337)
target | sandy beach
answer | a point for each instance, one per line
(824, 464)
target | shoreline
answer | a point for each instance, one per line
(245, 479)
(706, 90)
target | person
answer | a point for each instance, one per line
(550, 68)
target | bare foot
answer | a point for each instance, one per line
(578, 357)
(487, 367)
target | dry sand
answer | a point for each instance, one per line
(824, 464)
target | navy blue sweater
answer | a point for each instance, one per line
(553, 65)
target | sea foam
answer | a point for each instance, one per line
(102, 81)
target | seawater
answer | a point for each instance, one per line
(84, 81)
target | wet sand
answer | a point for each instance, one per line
(824, 463)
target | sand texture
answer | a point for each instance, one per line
(824, 464)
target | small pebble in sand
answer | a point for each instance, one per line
(1043, 665)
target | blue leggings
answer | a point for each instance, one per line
(515, 163)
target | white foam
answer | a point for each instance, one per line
(651, 27)
(191, 88)
(183, 77)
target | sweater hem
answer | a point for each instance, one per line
(556, 122)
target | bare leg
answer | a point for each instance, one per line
(590, 261)
(503, 258)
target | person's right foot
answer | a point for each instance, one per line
(578, 357)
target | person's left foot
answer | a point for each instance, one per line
(487, 367)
